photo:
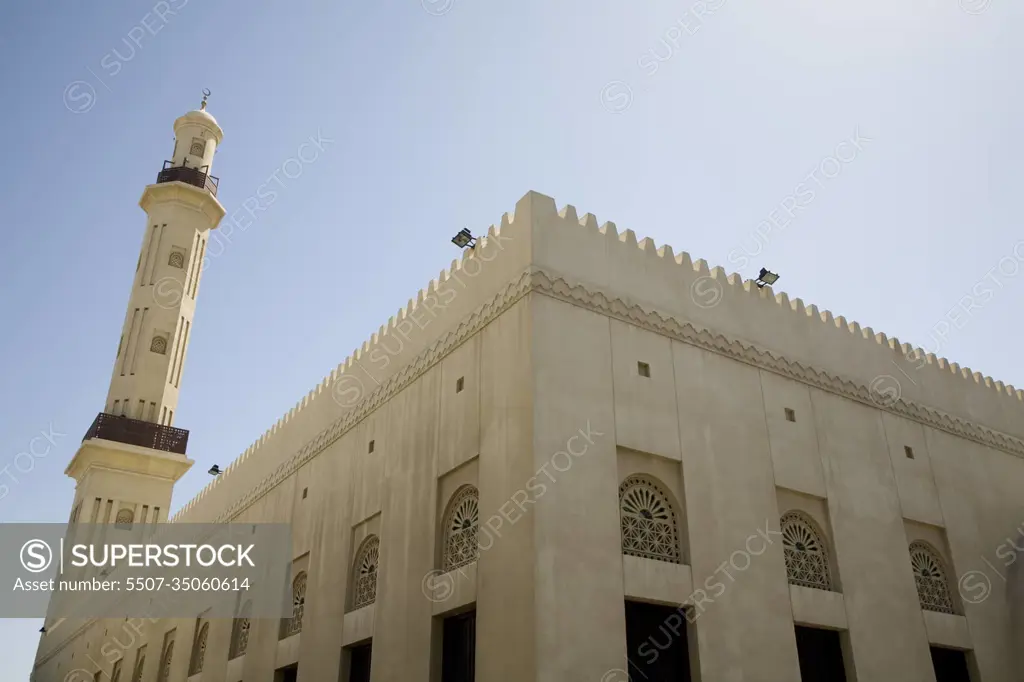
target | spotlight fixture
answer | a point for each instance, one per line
(42, 630)
(464, 238)
(214, 470)
(766, 277)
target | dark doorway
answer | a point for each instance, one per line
(359, 662)
(821, 655)
(458, 650)
(950, 665)
(657, 645)
(289, 674)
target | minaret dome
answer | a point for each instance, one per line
(196, 136)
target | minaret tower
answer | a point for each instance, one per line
(132, 454)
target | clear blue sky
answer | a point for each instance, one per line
(443, 121)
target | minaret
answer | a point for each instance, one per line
(132, 454)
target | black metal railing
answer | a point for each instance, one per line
(137, 432)
(197, 177)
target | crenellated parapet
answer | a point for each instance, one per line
(674, 285)
(437, 310)
(538, 248)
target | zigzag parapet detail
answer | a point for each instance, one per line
(741, 285)
(535, 279)
(636, 274)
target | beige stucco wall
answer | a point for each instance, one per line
(546, 332)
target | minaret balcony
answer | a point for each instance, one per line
(197, 177)
(144, 434)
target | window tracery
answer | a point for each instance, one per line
(461, 529)
(930, 577)
(805, 551)
(648, 521)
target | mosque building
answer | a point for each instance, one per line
(575, 456)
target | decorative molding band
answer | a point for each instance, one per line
(536, 279)
(186, 196)
(579, 295)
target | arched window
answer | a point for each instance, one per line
(805, 551)
(165, 663)
(461, 528)
(195, 666)
(159, 345)
(115, 674)
(176, 259)
(364, 581)
(930, 576)
(293, 626)
(240, 632)
(648, 521)
(125, 518)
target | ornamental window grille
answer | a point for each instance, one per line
(176, 260)
(159, 345)
(648, 521)
(461, 529)
(125, 518)
(140, 664)
(195, 666)
(930, 576)
(240, 633)
(198, 147)
(115, 674)
(293, 626)
(365, 578)
(165, 664)
(805, 551)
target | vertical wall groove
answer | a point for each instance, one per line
(156, 252)
(128, 345)
(177, 346)
(192, 264)
(147, 249)
(138, 341)
(199, 269)
(181, 363)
